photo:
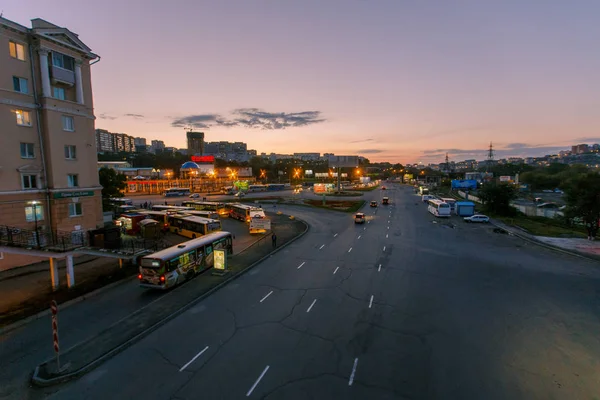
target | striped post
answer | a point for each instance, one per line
(54, 309)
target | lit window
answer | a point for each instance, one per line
(27, 150)
(75, 209)
(68, 123)
(63, 61)
(70, 152)
(73, 180)
(29, 213)
(23, 118)
(16, 50)
(58, 93)
(20, 85)
(29, 181)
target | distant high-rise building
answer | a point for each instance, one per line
(195, 143)
(580, 149)
(157, 146)
(104, 141)
(140, 144)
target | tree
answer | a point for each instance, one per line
(497, 197)
(112, 183)
(582, 194)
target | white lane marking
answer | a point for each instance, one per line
(193, 359)
(264, 298)
(353, 372)
(383, 248)
(365, 228)
(379, 269)
(311, 306)
(387, 235)
(335, 235)
(321, 246)
(371, 302)
(388, 227)
(257, 381)
(350, 250)
(336, 270)
(300, 266)
(388, 221)
(368, 222)
(359, 236)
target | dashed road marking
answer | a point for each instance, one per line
(257, 381)
(353, 372)
(321, 246)
(371, 302)
(193, 359)
(350, 250)
(300, 266)
(336, 270)
(264, 298)
(311, 306)
(379, 269)
(383, 248)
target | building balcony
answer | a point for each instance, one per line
(62, 75)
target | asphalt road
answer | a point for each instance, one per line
(405, 306)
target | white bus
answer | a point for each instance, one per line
(174, 192)
(245, 212)
(191, 226)
(219, 208)
(170, 267)
(451, 202)
(439, 208)
(257, 188)
(121, 201)
(203, 214)
(162, 207)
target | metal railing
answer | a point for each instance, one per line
(42, 239)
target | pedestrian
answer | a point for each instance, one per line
(146, 205)
(274, 240)
(165, 202)
(594, 231)
(589, 228)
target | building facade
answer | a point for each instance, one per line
(48, 170)
(195, 143)
(157, 146)
(580, 149)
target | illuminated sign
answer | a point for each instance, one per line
(203, 159)
(220, 260)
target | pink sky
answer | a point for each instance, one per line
(399, 81)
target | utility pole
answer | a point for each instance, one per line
(447, 164)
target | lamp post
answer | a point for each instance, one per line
(37, 236)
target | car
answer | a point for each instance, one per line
(385, 200)
(383, 188)
(194, 195)
(359, 218)
(373, 203)
(477, 218)
(239, 194)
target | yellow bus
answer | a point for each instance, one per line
(219, 208)
(192, 226)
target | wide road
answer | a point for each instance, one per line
(405, 306)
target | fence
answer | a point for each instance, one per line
(468, 196)
(43, 239)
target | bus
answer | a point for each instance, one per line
(203, 214)
(219, 208)
(191, 226)
(245, 212)
(162, 207)
(121, 201)
(439, 208)
(174, 265)
(423, 190)
(275, 186)
(451, 202)
(228, 190)
(160, 216)
(174, 192)
(257, 188)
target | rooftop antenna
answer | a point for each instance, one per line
(490, 158)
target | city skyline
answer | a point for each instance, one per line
(399, 82)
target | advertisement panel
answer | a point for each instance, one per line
(203, 159)
(308, 172)
(343, 161)
(505, 179)
(263, 224)
(220, 260)
(464, 184)
(241, 185)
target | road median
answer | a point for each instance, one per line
(87, 355)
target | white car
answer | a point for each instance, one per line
(477, 218)
(194, 195)
(239, 194)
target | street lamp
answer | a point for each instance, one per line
(37, 236)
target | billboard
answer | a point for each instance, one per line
(343, 161)
(323, 187)
(203, 159)
(263, 224)
(505, 179)
(308, 172)
(241, 185)
(464, 184)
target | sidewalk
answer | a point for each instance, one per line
(579, 247)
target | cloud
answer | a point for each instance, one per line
(362, 140)
(251, 118)
(517, 146)
(369, 151)
(106, 116)
(588, 140)
(136, 116)
(509, 150)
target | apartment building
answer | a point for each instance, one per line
(48, 158)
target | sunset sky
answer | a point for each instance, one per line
(392, 80)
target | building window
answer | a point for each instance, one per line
(29, 181)
(70, 152)
(27, 150)
(16, 50)
(23, 118)
(63, 61)
(75, 210)
(29, 213)
(68, 123)
(20, 85)
(73, 180)
(58, 93)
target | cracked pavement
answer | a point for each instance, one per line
(456, 313)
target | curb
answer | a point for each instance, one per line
(40, 382)
(546, 245)
(66, 304)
